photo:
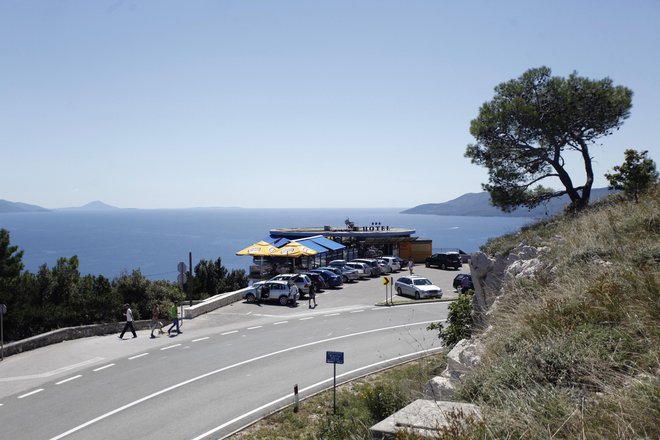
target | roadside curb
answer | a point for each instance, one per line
(413, 301)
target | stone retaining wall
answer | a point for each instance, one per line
(85, 331)
(69, 333)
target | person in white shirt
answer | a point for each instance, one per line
(129, 322)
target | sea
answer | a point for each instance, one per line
(110, 242)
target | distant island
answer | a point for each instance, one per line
(93, 206)
(478, 205)
(470, 204)
(7, 206)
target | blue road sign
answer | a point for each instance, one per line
(334, 357)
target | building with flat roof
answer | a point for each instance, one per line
(365, 241)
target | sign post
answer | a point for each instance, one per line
(387, 281)
(190, 284)
(334, 357)
(3, 310)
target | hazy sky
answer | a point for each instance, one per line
(280, 103)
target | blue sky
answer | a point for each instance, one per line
(280, 103)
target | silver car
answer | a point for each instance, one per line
(346, 273)
(271, 290)
(363, 269)
(417, 287)
(349, 273)
(302, 281)
(393, 262)
(373, 265)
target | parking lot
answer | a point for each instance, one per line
(439, 277)
(372, 290)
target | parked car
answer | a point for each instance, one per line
(333, 269)
(345, 274)
(385, 265)
(364, 270)
(444, 260)
(373, 264)
(337, 263)
(349, 274)
(417, 287)
(271, 290)
(302, 281)
(393, 262)
(458, 281)
(317, 281)
(331, 279)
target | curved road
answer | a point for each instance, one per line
(227, 369)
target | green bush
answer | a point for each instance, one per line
(459, 321)
(383, 400)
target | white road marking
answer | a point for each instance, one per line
(357, 311)
(256, 326)
(290, 395)
(229, 333)
(137, 356)
(201, 339)
(67, 380)
(51, 373)
(169, 346)
(305, 319)
(31, 393)
(281, 322)
(104, 367)
(333, 314)
(228, 367)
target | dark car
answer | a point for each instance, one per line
(331, 279)
(444, 260)
(317, 281)
(458, 281)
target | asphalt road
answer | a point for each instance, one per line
(229, 367)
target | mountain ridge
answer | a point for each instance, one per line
(478, 205)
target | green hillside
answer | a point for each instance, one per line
(574, 351)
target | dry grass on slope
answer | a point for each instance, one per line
(574, 352)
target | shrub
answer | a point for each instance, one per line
(383, 400)
(459, 321)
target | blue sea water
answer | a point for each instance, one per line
(109, 242)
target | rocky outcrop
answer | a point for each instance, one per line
(462, 358)
(423, 418)
(490, 276)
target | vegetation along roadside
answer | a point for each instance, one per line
(572, 352)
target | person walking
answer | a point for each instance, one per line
(129, 322)
(175, 320)
(465, 283)
(410, 266)
(155, 323)
(312, 297)
(295, 292)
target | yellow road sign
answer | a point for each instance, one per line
(387, 280)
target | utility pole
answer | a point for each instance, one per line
(190, 279)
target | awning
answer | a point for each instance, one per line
(326, 242)
(312, 245)
(278, 242)
(321, 242)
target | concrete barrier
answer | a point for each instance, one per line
(213, 303)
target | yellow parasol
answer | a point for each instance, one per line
(259, 249)
(293, 249)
